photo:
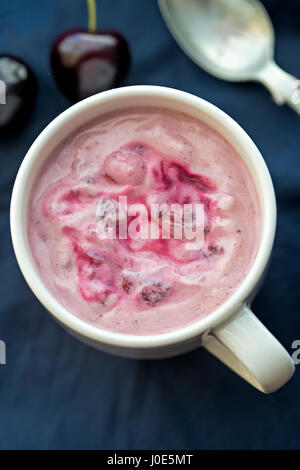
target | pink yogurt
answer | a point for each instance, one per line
(138, 286)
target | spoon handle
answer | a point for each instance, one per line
(284, 87)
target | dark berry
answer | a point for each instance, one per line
(18, 93)
(215, 250)
(127, 284)
(152, 294)
(86, 63)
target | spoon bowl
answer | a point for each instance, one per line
(231, 39)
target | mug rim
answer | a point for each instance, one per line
(187, 332)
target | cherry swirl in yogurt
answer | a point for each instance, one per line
(142, 286)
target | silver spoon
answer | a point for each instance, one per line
(233, 40)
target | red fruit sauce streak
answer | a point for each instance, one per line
(89, 262)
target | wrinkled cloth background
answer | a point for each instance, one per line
(56, 393)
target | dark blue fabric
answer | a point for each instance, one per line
(56, 393)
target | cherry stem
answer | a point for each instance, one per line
(92, 14)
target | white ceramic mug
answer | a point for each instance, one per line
(232, 332)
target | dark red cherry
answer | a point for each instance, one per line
(85, 63)
(18, 87)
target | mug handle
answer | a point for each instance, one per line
(245, 345)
